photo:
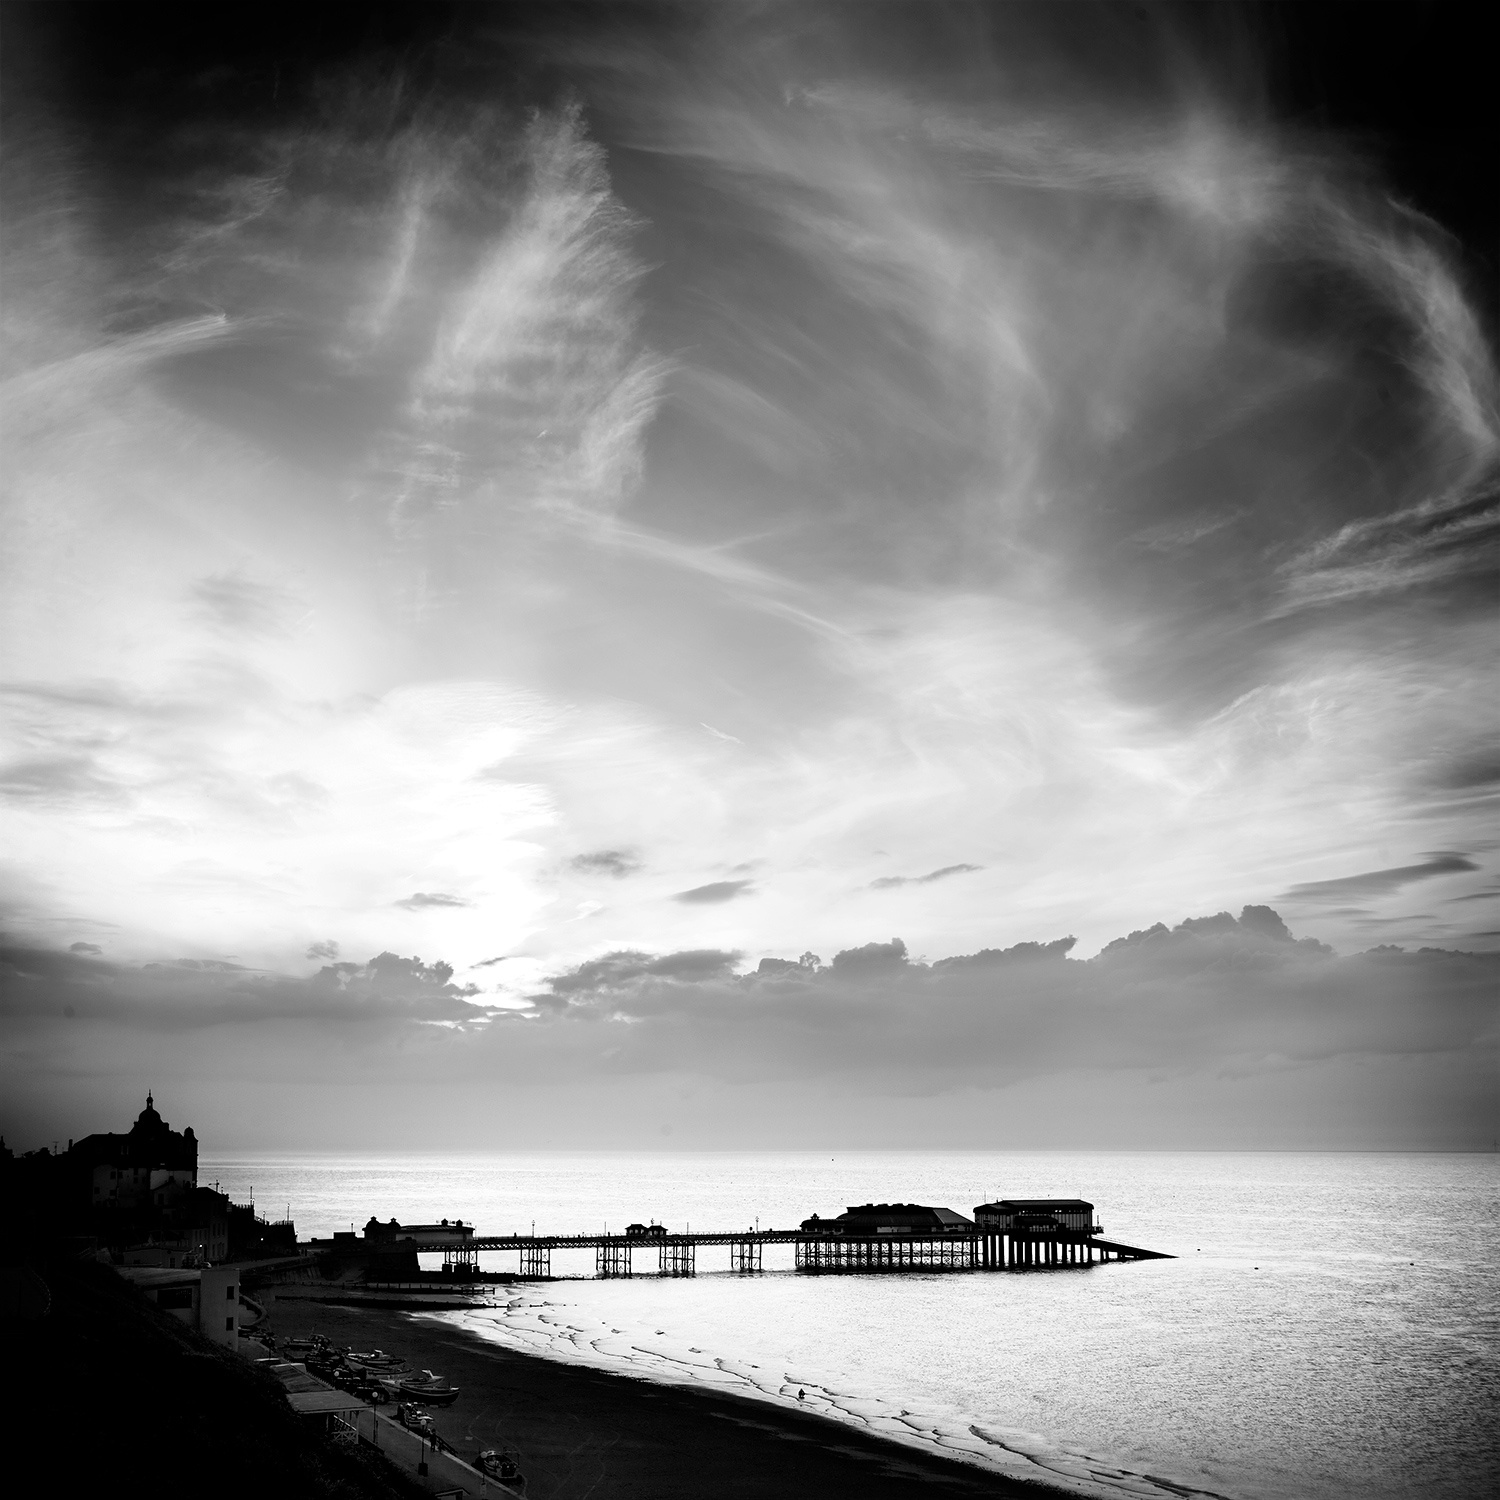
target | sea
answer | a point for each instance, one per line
(1328, 1330)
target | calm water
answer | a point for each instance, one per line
(1331, 1328)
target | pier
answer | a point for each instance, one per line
(1013, 1234)
(676, 1254)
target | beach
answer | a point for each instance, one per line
(581, 1432)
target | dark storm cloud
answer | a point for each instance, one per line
(886, 882)
(716, 891)
(1379, 882)
(421, 899)
(616, 862)
(193, 993)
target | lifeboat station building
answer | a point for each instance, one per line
(1018, 1232)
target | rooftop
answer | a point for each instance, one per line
(1044, 1204)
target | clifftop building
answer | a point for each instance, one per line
(136, 1193)
(150, 1166)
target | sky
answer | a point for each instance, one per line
(756, 573)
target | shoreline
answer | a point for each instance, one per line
(586, 1431)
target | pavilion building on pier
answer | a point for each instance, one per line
(888, 1237)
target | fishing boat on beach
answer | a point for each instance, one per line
(432, 1389)
(414, 1418)
(502, 1464)
(376, 1361)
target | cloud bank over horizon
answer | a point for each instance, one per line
(1215, 1002)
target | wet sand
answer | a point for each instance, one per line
(583, 1433)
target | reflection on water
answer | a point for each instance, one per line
(1329, 1328)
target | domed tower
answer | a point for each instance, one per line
(150, 1132)
(154, 1144)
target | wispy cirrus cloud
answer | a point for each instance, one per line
(888, 882)
(1379, 882)
(617, 863)
(715, 892)
(423, 900)
(1445, 542)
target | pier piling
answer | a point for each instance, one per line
(745, 1256)
(614, 1258)
(678, 1258)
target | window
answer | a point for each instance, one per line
(228, 1325)
(229, 1292)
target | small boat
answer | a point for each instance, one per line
(414, 1418)
(432, 1389)
(300, 1348)
(377, 1361)
(502, 1464)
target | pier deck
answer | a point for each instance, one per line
(815, 1251)
(635, 1241)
